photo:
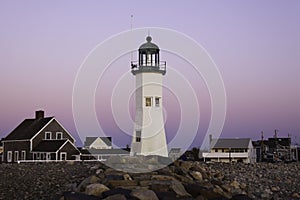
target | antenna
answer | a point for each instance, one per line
(131, 28)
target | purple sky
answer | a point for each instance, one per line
(255, 44)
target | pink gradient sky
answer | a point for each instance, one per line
(255, 44)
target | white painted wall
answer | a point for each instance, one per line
(149, 120)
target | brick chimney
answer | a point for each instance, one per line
(39, 114)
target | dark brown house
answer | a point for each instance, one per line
(41, 138)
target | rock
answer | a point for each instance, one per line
(295, 195)
(240, 197)
(235, 184)
(166, 195)
(78, 196)
(144, 194)
(127, 177)
(160, 186)
(275, 189)
(197, 175)
(162, 178)
(121, 191)
(99, 171)
(96, 189)
(116, 197)
(117, 183)
(179, 189)
(90, 180)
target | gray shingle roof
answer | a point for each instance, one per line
(230, 143)
(105, 151)
(28, 128)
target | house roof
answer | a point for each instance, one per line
(104, 151)
(90, 140)
(49, 145)
(28, 128)
(230, 143)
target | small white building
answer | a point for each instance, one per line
(231, 150)
(98, 143)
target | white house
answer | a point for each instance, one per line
(231, 150)
(98, 143)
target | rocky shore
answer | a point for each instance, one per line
(180, 180)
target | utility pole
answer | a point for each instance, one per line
(262, 149)
(276, 143)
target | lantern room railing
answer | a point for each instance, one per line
(146, 67)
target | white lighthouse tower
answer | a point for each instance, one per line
(149, 136)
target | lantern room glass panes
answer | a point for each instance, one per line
(144, 59)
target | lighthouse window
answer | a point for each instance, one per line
(138, 136)
(157, 101)
(148, 101)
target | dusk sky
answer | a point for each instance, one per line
(255, 45)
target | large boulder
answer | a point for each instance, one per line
(96, 189)
(89, 180)
(144, 194)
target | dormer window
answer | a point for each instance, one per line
(47, 135)
(58, 135)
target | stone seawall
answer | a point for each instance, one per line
(180, 180)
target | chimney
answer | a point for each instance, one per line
(39, 114)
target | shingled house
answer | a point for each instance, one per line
(41, 138)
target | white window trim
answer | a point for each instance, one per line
(63, 153)
(23, 155)
(9, 156)
(48, 132)
(48, 156)
(16, 156)
(57, 133)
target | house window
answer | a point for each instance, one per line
(23, 155)
(9, 156)
(216, 150)
(48, 156)
(223, 150)
(157, 100)
(58, 135)
(16, 157)
(48, 135)
(138, 136)
(63, 156)
(148, 101)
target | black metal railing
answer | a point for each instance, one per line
(161, 66)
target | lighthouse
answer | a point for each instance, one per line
(149, 136)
